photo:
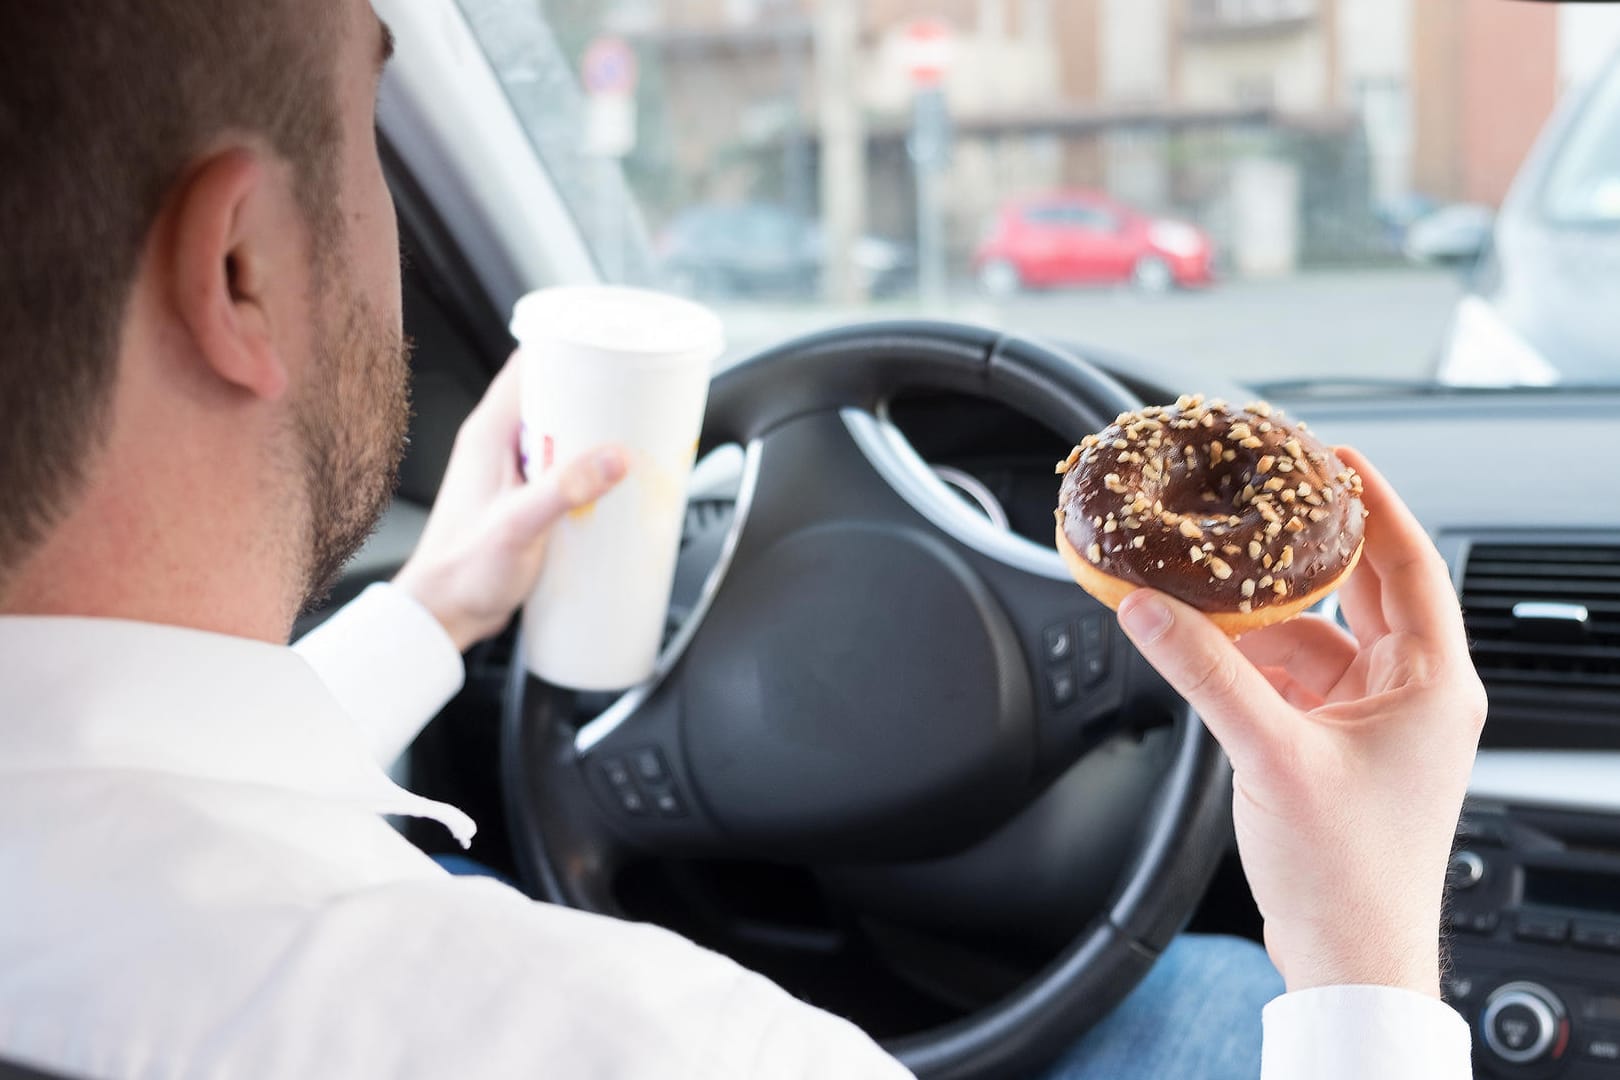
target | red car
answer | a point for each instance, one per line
(1082, 237)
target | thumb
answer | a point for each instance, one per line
(1231, 696)
(532, 509)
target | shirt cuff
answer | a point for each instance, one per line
(1353, 1032)
(389, 664)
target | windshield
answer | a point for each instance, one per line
(1262, 191)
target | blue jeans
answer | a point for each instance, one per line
(1195, 1017)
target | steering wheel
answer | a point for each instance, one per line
(869, 677)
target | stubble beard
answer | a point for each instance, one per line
(351, 424)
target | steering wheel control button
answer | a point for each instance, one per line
(1548, 929)
(669, 804)
(617, 775)
(1063, 687)
(1465, 870)
(1524, 1022)
(1058, 643)
(1600, 934)
(650, 766)
(630, 798)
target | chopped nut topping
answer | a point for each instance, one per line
(1248, 587)
(1121, 444)
(1219, 568)
(1190, 529)
(1295, 525)
(1265, 582)
(1251, 443)
(1280, 587)
(1240, 430)
(1110, 525)
(1231, 549)
(1318, 514)
(1197, 554)
(1068, 463)
(1274, 484)
(1285, 466)
(1138, 542)
(1286, 559)
(1272, 529)
(1094, 553)
(1245, 606)
(1254, 549)
(1295, 451)
(1264, 464)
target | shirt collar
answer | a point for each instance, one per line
(106, 695)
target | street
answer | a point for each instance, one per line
(1379, 324)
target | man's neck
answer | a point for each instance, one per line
(119, 558)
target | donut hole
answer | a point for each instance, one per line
(1202, 490)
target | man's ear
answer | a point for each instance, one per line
(225, 259)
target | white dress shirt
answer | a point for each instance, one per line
(197, 880)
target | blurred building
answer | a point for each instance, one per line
(1285, 127)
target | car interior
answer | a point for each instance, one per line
(893, 758)
(973, 944)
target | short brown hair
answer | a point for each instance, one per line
(103, 108)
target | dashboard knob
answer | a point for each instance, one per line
(1524, 1022)
(1465, 870)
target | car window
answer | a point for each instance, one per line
(1276, 237)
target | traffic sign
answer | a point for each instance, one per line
(608, 74)
(609, 67)
(927, 48)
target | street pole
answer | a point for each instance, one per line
(929, 147)
(609, 211)
(843, 147)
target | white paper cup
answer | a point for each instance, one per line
(611, 365)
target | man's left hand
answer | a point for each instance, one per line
(481, 553)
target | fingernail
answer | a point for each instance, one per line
(1145, 617)
(610, 466)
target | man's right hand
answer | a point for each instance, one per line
(1351, 754)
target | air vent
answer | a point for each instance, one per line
(1544, 622)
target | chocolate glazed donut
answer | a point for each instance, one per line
(1234, 511)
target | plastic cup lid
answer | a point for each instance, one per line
(614, 319)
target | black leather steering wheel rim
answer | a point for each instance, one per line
(1180, 841)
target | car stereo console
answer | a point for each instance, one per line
(1534, 916)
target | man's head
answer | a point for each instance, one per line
(199, 290)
